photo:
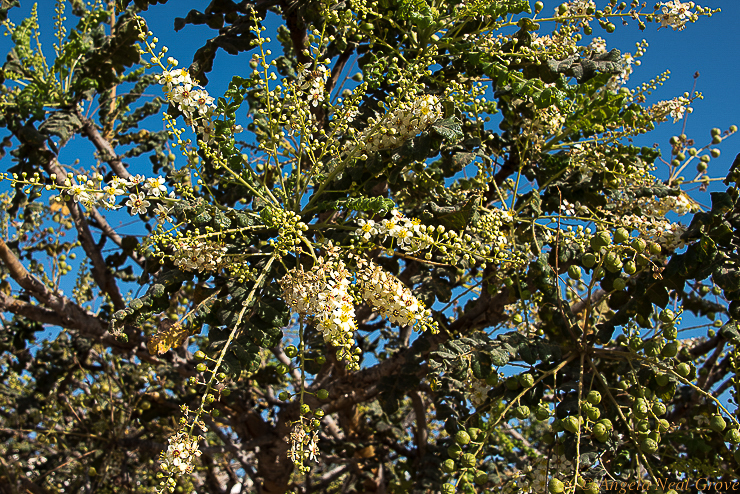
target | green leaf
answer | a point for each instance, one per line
(731, 332)
(449, 129)
(62, 124)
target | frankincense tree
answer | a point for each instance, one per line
(417, 251)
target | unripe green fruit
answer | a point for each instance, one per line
(562, 9)
(670, 332)
(715, 132)
(599, 273)
(291, 351)
(593, 397)
(574, 272)
(733, 436)
(662, 379)
(305, 409)
(556, 486)
(201, 367)
(517, 318)
(538, 6)
(640, 409)
(468, 460)
(601, 239)
(667, 316)
(593, 413)
(716, 139)
(321, 360)
(448, 466)
(613, 263)
(658, 408)
(448, 489)
(610, 28)
(638, 244)
(282, 368)
(654, 248)
(630, 267)
(620, 283)
(649, 446)
(542, 413)
(284, 396)
(481, 478)
(717, 423)
(662, 425)
(462, 438)
(200, 355)
(474, 433)
(652, 348)
(683, 369)
(588, 260)
(733, 128)
(621, 235)
(512, 383)
(492, 379)
(322, 394)
(454, 451)
(636, 343)
(526, 380)
(715, 153)
(522, 412)
(670, 349)
(599, 430)
(592, 488)
(680, 156)
(570, 424)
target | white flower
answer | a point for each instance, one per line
(675, 14)
(367, 228)
(79, 193)
(162, 213)
(156, 186)
(134, 180)
(137, 203)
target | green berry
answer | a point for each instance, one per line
(619, 284)
(481, 478)
(305, 409)
(640, 409)
(448, 489)
(683, 369)
(526, 380)
(638, 244)
(570, 424)
(448, 466)
(621, 235)
(538, 6)
(649, 446)
(717, 423)
(588, 260)
(601, 239)
(658, 408)
(593, 413)
(556, 486)
(662, 379)
(284, 396)
(522, 412)
(574, 272)
(291, 351)
(542, 413)
(492, 379)
(670, 349)
(512, 383)
(594, 397)
(454, 451)
(733, 436)
(468, 460)
(200, 355)
(322, 394)
(663, 425)
(462, 438)
(201, 367)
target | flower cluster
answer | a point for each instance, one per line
(303, 446)
(675, 14)
(675, 108)
(191, 99)
(409, 234)
(390, 297)
(91, 192)
(182, 450)
(323, 292)
(580, 7)
(407, 120)
(313, 81)
(193, 254)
